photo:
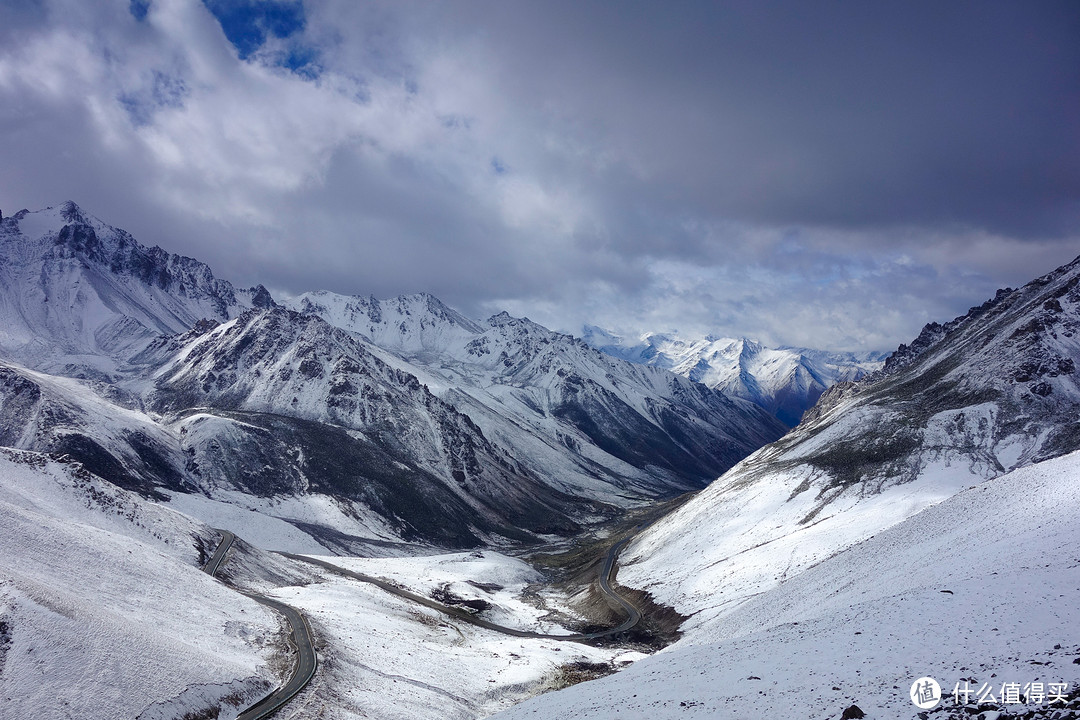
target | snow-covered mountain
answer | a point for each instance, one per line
(919, 521)
(976, 592)
(288, 386)
(351, 419)
(986, 393)
(557, 403)
(80, 297)
(786, 381)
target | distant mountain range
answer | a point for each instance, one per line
(354, 420)
(786, 381)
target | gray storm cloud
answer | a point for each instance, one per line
(831, 174)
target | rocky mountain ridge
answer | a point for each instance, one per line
(81, 297)
(986, 393)
(356, 420)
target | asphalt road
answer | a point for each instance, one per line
(305, 666)
(300, 637)
(212, 566)
(633, 616)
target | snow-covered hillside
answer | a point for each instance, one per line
(785, 381)
(104, 611)
(979, 589)
(79, 297)
(110, 435)
(992, 391)
(314, 411)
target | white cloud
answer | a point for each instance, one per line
(436, 150)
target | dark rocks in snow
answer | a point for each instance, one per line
(852, 712)
(260, 298)
(934, 332)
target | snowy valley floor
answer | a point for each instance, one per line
(386, 657)
(104, 613)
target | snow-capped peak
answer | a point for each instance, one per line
(82, 296)
(785, 381)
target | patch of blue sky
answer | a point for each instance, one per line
(302, 60)
(248, 23)
(139, 8)
(498, 166)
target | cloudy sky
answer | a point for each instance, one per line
(822, 174)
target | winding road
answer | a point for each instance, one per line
(301, 634)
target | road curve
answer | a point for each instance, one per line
(608, 568)
(214, 563)
(300, 637)
(305, 666)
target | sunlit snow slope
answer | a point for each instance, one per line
(981, 587)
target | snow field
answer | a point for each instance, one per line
(981, 586)
(382, 656)
(105, 611)
(488, 576)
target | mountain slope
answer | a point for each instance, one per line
(785, 381)
(552, 399)
(991, 391)
(112, 438)
(419, 461)
(80, 297)
(103, 609)
(979, 589)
